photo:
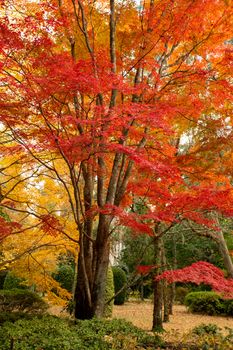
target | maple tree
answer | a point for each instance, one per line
(201, 272)
(97, 96)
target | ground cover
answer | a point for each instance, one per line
(181, 322)
(177, 333)
(140, 314)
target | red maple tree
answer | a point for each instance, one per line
(201, 272)
(100, 94)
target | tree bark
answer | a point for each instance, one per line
(90, 288)
(164, 286)
(223, 249)
(218, 237)
(157, 311)
(172, 294)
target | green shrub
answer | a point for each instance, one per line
(181, 293)
(209, 303)
(228, 307)
(11, 282)
(209, 328)
(147, 288)
(119, 277)
(109, 293)
(21, 300)
(65, 276)
(118, 334)
(211, 337)
(3, 275)
(52, 333)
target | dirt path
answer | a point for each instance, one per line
(140, 314)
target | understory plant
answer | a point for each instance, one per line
(52, 333)
(209, 303)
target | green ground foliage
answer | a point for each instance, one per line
(210, 303)
(16, 315)
(203, 329)
(203, 337)
(211, 337)
(52, 333)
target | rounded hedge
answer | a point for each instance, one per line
(119, 277)
(20, 300)
(209, 303)
(65, 276)
(11, 282)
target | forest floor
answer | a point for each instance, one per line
(181, 322)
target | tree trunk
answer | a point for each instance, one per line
(172, 290)
(157, 312)
(92, 273)
(83, 308)
(222, 246)
(166, 301)
(86, 307)
(172, 295)
(223, 249)
(141, 289)
(165, 286)
(99, 283)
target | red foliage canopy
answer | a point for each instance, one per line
(201, 272)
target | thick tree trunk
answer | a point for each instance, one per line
(85, 307)
(92, 273)
(83, 299)
(99, 283)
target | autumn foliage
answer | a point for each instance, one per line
(96, 101)
(201, 272)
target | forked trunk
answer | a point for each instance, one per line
(86, 308)
(92, 273)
